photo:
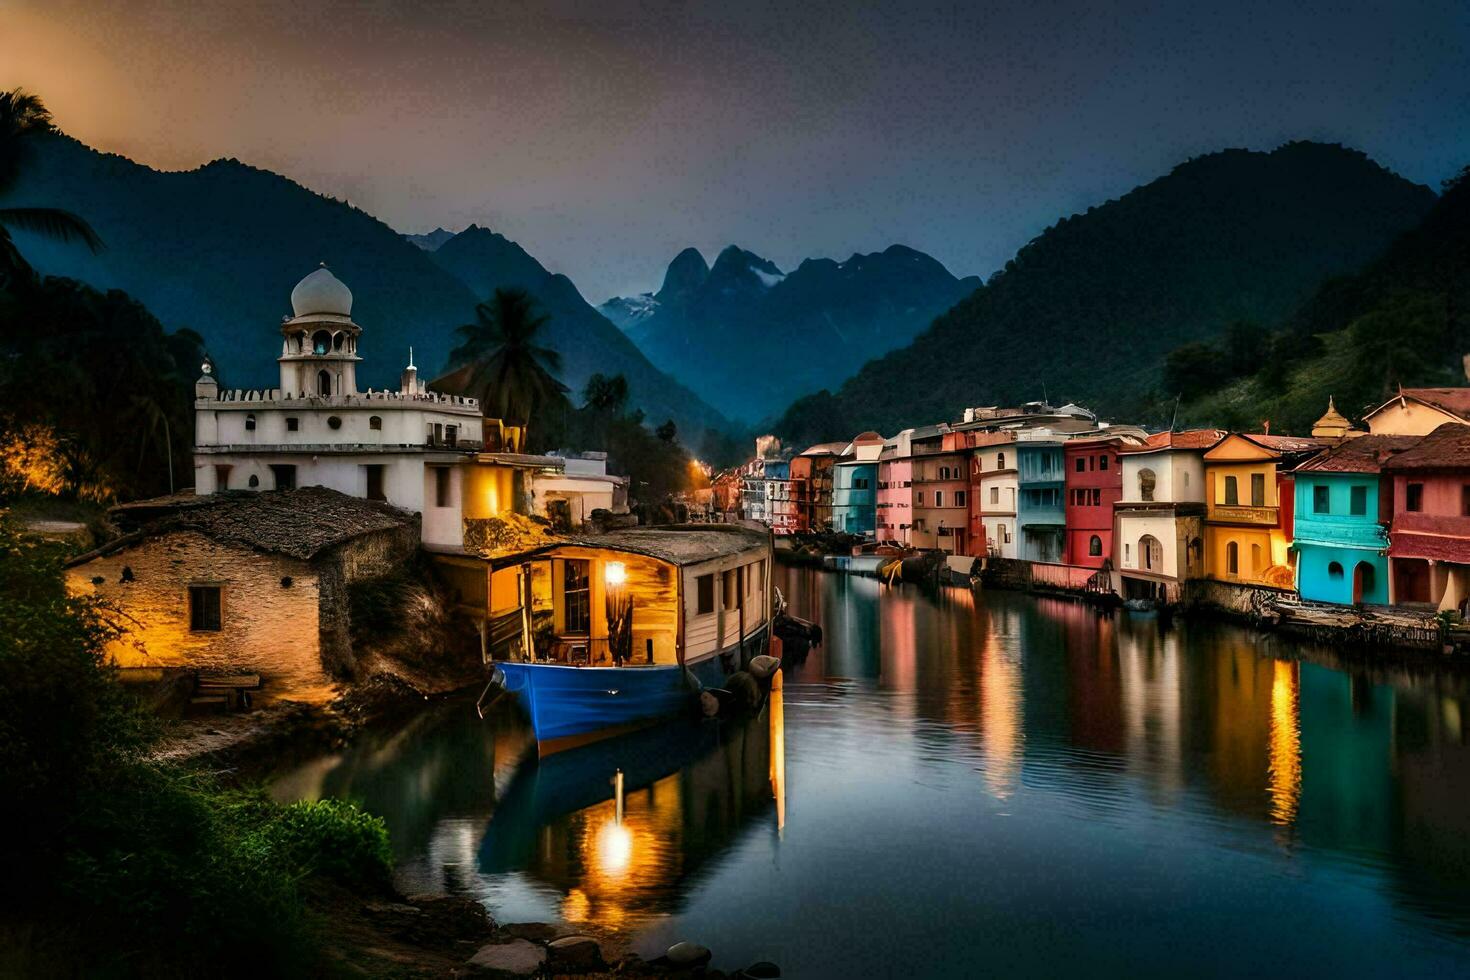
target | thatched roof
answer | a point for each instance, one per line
(298, 523)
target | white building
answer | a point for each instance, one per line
(998, 485)
(1158, 530)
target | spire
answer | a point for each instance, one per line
(1333, 424)
(410, 360)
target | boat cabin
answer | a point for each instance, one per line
(635, 597)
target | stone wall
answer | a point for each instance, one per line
(366, 556)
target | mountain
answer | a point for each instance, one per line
(1403, 319)
(485, 261)
(1089, 309)
(431, 240)
(747, 335)
(219, 249)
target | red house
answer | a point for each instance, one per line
(1094, 483)
(1429, 540)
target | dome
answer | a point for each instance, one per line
(321, 292)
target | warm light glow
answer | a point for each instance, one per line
(614, 848)
(1286, 745)
(615, 573)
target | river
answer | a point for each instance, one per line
(960, 785)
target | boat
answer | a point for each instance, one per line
(621, 630)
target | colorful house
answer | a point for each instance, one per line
(781, 497)
(1429, 540)
(1159, 517)
(941, 490)
(1248, 521)
(896, 490)
(1419, 411)
(1041, 513)
(994, 493)
(1093, 483)
(854, 486)
(811, 471)
(1343, 506)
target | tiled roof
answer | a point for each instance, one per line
(682, 544)
(1284, 444)
(1455, 401)
(299, 523)
(1446, 448)
(1364, 454)
(825, 449)
(1187, 439)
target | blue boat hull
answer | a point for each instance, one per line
(569, 706)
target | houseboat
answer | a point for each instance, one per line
(622, 629)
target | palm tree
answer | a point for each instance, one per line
(22, 118)
(511, 375)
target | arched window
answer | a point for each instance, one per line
(254, 481)
(375, 422)
(1150, 552)
(323, 383)
(1334, 570)
(321, 342)
(1232, 558)
(250, 422)
(1000, 461)
(337, 339)
(1147, 479)
(1094, 546)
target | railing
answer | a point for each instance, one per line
(1237, 514)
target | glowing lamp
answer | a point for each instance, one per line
(615, 573)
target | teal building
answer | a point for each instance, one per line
(1040, 505)
(1342, 512)
(855, 487)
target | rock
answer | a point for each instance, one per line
(537, 932)
(684, 955)
(762, 667)
(517, 958)
(578, 954)
(709, 705)
(760, 971)
(390, 908)
(747, 692)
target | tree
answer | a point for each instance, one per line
(512, 376)
(606, 394)
(668, 431)
(23, 117)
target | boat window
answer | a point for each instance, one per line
(576, 595)
(732, 589)
(705, 587)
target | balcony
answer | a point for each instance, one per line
(1240, 514)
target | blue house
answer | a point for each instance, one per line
(855, 487)
(1342, 513)
(1040, 505)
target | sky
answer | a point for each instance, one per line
(605, 137)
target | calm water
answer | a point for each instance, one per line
(977, 786)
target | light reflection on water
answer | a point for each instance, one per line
(976, 784)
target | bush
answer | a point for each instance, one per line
(328, 837)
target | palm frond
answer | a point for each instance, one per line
(52, 223)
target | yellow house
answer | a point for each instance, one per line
(1249, 497)
(1419, 411)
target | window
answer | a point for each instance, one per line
(1102, 462)
(334, 422)
(732, 589)
(1334, 570)
(375, 481)
(441, 486)
(1256, 565)
(437, 436)
(1094, 546)
(1150, 552)
(284, 476)
(705, 589)
(959, 498)
(204, 608)
(576, 594)
(1081, 464)
(995, 495)
(919, 498)
(1146, 482)
(375, 422)
(861, 483)
(293, 424)
(1127, 554)
(938, 498)
(1358, 501)
(1414, 497)
(321, 342)
(1232, 492)
(1000, 461)
(250, 422)
(1321, 500)
(1005, 533)
(451, 435)
(1465, 499)
(1232, 556)
(1258, 489)
(253, 482)
(323, 383)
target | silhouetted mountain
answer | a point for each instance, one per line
(1403, 319)
(1088, 310)
(485, 261)
(431, 240)
(748, 336)
(219, 248)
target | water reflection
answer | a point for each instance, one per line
(1088, 786)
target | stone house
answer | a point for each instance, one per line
(251, 582)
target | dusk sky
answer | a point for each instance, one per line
(605, 137)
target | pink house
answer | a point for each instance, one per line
(895, 491)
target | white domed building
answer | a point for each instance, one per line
(318, 429)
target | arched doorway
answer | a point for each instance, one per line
(1365, 582)
(323, 383)
(1150, 552)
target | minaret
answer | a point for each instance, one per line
(319, 349)
(408, 382)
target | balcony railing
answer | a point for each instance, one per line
(1239, 514)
